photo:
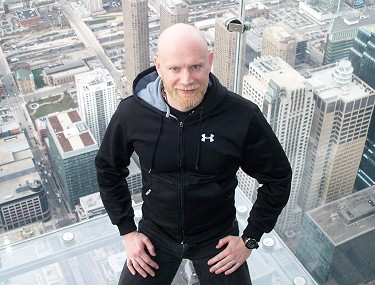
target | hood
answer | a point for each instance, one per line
(148, 88)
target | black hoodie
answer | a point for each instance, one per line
(189, 166)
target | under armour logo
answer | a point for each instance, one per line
(210, 137)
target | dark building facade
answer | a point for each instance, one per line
(362, 57)
(28, 205)
(337, 240)
(72, 149)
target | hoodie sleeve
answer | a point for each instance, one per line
(112, 161)
(265, 160)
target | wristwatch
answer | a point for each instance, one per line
(250, 243)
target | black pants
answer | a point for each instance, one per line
(170, 253)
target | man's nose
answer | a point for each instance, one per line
(186, 77)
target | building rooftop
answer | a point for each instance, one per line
(15, 157)
(27, 14)
(353, 20)
(170, 4)
(13, 143)
(18, 186)
(280, 72)
(24, 74)
(92, 252)
(64, 67)
(324, 81)
(255, 5)
(254, 40)
(17, 169)
(94, 79)
(91, 202)
(283, 33)
(348, 217)
(69, 131)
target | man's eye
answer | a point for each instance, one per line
(196, 66)
(174, 68)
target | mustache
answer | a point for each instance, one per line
(187, 87)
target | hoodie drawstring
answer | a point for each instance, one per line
(199, 142)
(155, 144)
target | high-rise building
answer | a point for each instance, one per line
(23, 199)
(96, 93)
(341, 34)
(253, 46)
(337, 240)
(280, 40)
(366, 173)
(72, 150)
(344, 105)
(286, 101)
(172, 12)
(225, 50)
(362, 54)
(136, 36)
(91, 205)
(94, 5)
(362, 57)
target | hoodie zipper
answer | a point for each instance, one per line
(181, 188)
(181, 155)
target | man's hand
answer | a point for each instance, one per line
(231, 258)
(137, 258)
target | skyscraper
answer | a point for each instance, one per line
(342, 33)
(286, 101)
(282, 41)
(97, 101)
(337, 240)
(72, 148)
(94, 5)
(362, 54)
(344, 105)
(362, 57)
(136, 35)
(172, 12)
(225, 50)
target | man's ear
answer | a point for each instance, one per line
(210, 58)
(156, 63)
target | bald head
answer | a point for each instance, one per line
(184, 64)
(180, 35)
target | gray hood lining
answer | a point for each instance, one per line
(149, 90)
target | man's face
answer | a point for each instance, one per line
(185, 71)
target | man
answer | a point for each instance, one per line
(191, 135)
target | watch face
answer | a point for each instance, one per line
(251, 243)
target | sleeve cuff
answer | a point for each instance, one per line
(251, 231)
(127, 227)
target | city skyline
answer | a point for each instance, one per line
(71, 38)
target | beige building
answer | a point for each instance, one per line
(94, 5)
(280, 40)
(344, 106)
(225, 52)
(137, 52)
(286, 100)
(64, 73)
(173, 12)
